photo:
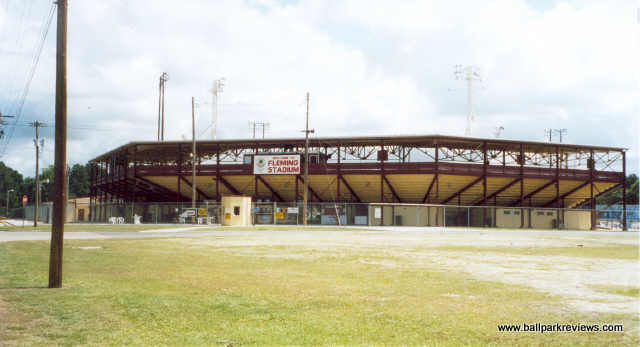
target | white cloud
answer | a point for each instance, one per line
(371, 68)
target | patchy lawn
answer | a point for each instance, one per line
(339, 288)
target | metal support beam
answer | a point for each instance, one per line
(163, 190)
(530, 195)
(558, 188)
(393, 191)
(485, 162)
(592, 207)
(497, 192)
(310, 189)
(521, 179)
(426, 195)
(464, 189)
(437, 178)
(588, 201)
(135, 172)
(179, 171)
(353, 193)
(382, 175)
(273, 191)
(218, 199)
(229, 186)
(339, 176)
(624, 191)
(565, 195)
(200, 192)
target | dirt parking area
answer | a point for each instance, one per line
(591, 271)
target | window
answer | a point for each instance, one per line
(507, 212)
(517, 213)
(549, 213)
(540, 213)
(236, 210)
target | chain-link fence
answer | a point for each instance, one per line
(355, 214)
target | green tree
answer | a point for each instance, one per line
(9, 179)
(79, 181)
(77, 178)
(46, 184)
(615, 196)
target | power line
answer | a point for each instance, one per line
(11, 90)
(32, 72)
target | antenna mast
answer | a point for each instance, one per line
(216, 97)
(469, 73)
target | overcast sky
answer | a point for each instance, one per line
(371, 67)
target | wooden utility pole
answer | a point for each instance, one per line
(305, 193)
(60, 161)
(38, 145)
(193, 159)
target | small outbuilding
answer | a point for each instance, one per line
(236, 210)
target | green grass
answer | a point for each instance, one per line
(631, 291)
(627, 252)
(285, 228)
(141, 227)
(204, 291)
(93, 227)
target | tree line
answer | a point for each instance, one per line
(78, 176)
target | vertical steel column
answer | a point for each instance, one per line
(495, 211)
(624, 191)
(484, 183)
(521, 162)
(218, 174)
(592, 166)
(125, 193)
(382, 171)
(135, 174)
(382, 181)
(338, 176)
(103, 195)
(98, 206)
(437, 178)
(91, 192)
(529, 212)
(179, 169)
(112, 172)
(557, 187)
(255, 177)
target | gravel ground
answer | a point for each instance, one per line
(573, 278)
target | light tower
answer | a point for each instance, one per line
(469, 73)
(216, 104)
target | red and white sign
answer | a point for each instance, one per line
(276, 164)
(24, 200)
